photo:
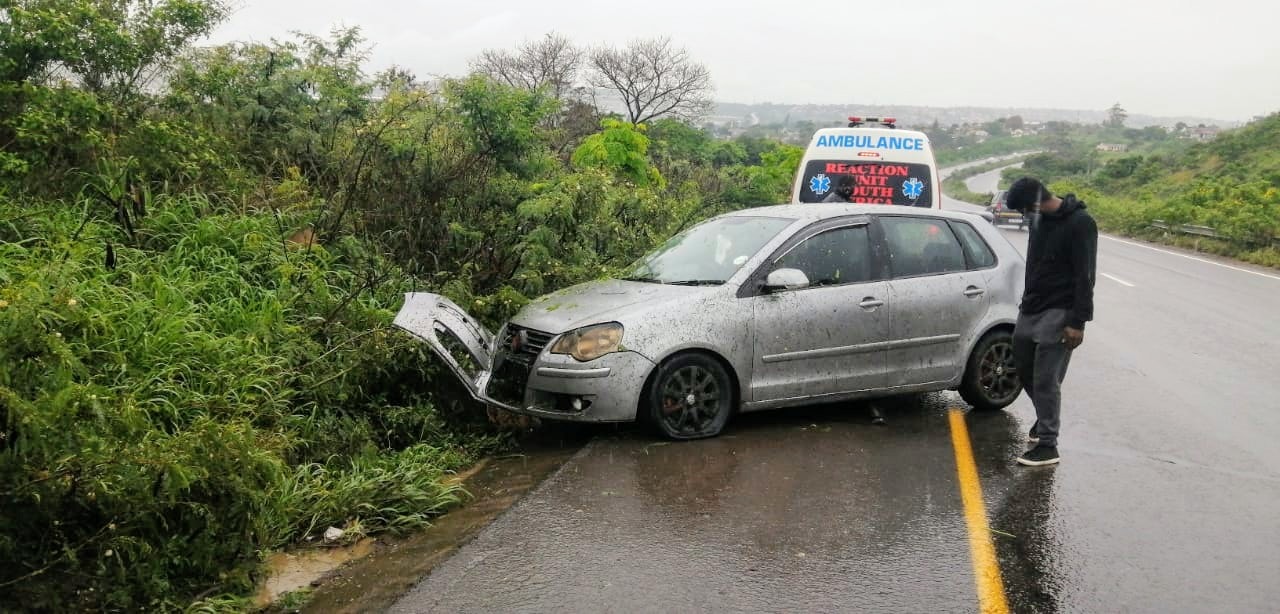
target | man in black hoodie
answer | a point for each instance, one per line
(1056, 303)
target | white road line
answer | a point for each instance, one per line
(1165, 251)
(1116, 279)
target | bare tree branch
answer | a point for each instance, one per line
(654, 79)
(551, 62)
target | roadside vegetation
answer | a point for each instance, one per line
(1149, 182)
(1230, 184)
(201, 251)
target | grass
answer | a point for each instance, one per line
(215, 394)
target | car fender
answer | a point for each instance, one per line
(720, 324)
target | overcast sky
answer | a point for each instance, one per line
(1216, 59)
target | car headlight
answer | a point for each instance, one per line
(591, 342)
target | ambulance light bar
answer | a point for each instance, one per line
(887, 122)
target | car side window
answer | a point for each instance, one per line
(921, 246)
(975, 248)
(838, 256)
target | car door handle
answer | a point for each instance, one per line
(871, 302)
(974, 291)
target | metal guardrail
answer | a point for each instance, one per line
(1202, 231)
(1186, 229)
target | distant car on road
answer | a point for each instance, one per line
(1002, 214)
(761, 308)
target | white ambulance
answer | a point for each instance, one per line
(871, 161)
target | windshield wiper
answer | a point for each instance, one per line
(646, 280)
(696, 282)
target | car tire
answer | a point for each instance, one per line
(691, 396)
(990, 378)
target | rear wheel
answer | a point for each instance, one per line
(690, 397)
(991, 377)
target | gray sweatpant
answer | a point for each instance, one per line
(1041, 358)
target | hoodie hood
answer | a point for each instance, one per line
(1070, 204)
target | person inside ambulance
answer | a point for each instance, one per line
(843, 192)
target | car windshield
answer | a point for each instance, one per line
(709, 253)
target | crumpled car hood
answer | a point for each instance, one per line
(608, 300)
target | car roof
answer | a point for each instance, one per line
(822, 211)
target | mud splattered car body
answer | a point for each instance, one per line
(761, 308)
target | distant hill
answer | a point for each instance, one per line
(1236, 158)
(768, 113)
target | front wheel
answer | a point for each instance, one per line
(690, 397)
(991, 377)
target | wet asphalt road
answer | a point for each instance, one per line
(1167, 499)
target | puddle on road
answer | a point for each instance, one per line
(371, 574)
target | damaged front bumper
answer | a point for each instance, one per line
(607, 389)
(526, 377)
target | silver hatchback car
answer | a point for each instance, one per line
(761, 308)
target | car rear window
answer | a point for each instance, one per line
(975, 248)
(878, 183)
(921, 246)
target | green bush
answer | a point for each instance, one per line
(216, 393)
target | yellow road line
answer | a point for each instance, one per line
(986, 569)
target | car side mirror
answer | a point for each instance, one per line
(786, 279)
(986, 215)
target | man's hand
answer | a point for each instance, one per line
(1073, 337)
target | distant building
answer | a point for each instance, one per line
(1116, 147)
(1202, 133)
(723, 121)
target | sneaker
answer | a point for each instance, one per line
(1031, 436)
(1039, 456)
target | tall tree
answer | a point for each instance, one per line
(1116, 116)
(108, 47)
(66, 65)
(654, 79)
(552, 62)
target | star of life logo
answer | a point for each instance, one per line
(912, 188)
(819, 184)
